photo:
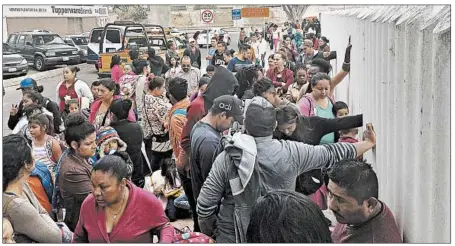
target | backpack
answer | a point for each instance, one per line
(128, 84)
(45, 177)
(187, 236)
(49, 143)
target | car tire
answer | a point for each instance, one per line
(200, 46)
(39, 63)
(96, 66)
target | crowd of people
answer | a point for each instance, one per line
(251, 155)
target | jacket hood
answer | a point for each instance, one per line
(243, 160)
(121, 145)
(222, 83)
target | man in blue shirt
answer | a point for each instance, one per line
(212, 50)
(241, 59)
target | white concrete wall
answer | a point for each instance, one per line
(400, 81)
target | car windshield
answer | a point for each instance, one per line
(80, 40)
(7, 49)
(47, 39)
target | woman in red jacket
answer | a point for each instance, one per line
(117, 211)
(281, 76)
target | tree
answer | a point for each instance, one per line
(295, 12)
(136, 13)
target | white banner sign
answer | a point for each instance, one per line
(53, 11)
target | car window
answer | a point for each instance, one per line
(21, 39)
(95, 37)
(12, 39)
(157, 42)
(7, 48)
(80, 40)
(28, 38)
(137, 42)
(47, 39)
(113, 36)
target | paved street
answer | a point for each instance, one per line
(87, 74)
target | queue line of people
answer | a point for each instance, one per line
(247, 139)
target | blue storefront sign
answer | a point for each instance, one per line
(236, 14)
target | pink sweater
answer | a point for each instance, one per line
(143, 216)
(116, 73)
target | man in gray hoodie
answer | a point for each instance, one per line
(253, 164)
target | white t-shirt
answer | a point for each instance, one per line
(276, 34)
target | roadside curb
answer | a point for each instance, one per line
(39, 76)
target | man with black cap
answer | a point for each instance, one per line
(206, 134)
(253, 164)
(17, 110)
(223, 82)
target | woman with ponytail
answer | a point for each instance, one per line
(130, 132)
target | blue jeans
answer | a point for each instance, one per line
(182, 202)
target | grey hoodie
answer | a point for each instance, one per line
(277, 167)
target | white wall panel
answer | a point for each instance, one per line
(400, 81)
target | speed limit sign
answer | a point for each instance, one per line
(207, 16)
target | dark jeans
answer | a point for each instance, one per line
(188, 188)
(156, 158)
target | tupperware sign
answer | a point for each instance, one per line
(53, 11)
(61, 11)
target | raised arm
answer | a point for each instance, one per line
(308, 157)
(345, 69)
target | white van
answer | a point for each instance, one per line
(112, 42)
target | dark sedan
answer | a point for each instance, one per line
(13, 63)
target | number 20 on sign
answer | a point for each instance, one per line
(207, 16)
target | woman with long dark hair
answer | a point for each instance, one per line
(100, 110)
(116, 70)
(130, 132)
(16, 111)
(30, 220)
(156, 63)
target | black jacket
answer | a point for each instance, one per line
(157, 65)
(310, 130)
(51, 106)
(218, 59)
(131, 134)
(195, 57)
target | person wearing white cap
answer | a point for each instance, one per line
(194, 53)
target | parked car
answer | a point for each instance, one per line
(80, 43)
(13, 63)
(220, 32)
(43, 49)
